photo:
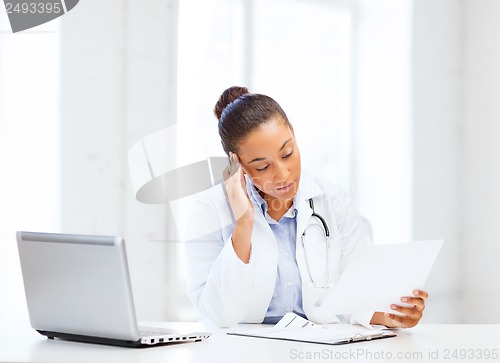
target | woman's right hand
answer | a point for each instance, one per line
(241, 206)
(235, 186)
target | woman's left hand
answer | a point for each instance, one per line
(411, 315)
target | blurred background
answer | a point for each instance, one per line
(395, 100)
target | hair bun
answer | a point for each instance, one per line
(229, 95)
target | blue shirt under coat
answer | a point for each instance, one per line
(287, 295)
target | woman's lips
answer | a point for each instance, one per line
(286, 188)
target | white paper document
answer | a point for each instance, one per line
(377, 276)
(295, 328)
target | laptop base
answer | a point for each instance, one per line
(100, 340)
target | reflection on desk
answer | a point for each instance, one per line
(424, 343)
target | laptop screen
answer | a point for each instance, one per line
(77, 284)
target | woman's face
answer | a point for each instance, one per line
(271, 158)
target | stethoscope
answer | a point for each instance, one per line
(327, 247)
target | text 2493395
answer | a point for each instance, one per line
(32, 7)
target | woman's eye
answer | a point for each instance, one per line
(288, 155)
(262, 169)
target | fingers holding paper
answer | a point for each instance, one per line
(409, 314)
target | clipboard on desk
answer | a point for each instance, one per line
(292, 327)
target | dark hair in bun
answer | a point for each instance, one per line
(240, 112)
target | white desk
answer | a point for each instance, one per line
(425, 343)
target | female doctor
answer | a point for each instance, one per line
(291, 234)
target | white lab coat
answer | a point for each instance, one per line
(228, 291)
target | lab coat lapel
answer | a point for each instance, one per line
(304, 213)
(308, 189)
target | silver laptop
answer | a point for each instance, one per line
(78, 288)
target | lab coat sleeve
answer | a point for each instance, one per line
(217, 280)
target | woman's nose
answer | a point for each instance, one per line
(282, 173)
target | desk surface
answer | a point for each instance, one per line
(425, 343)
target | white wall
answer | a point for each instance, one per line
(118, 85)
(480, 172)
(437, 124)
(457, 153)
(382, 142)
(409, 107)
(29, 149)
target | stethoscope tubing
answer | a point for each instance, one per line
(327, 236)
